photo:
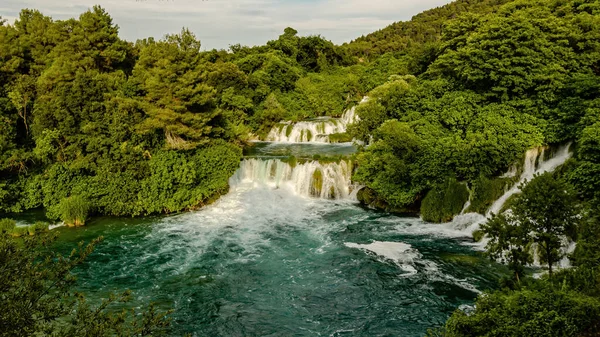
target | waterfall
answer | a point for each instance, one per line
(535, 163)
(311, 179)
(316, 131)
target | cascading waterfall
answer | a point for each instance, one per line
(316, 131)
(310, 179)
(534, 163)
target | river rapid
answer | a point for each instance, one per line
(290, 252)
(267, 261)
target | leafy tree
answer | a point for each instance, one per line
(179, 102)
(544, 213)
(549, 208)
(387, 165)
(510, 242)
(531, 312)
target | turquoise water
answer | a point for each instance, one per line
(300, 150)
(265, 262)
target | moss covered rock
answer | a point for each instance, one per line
(316, 186)
(368, 197)
(486, 191)
(340, 138)
(443, 202)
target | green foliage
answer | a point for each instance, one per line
(549, 209)
(443, 202)
(545, 312)
(340, 138)
(544, 213)
(458, 138)
(178, 181)
(73, 210)
(19, 231)
(486, 191)
(589, 144)
(37, 299)
(410, 37)
(510, 242)
(39, 226)
(7, 225)
(316, 183)
(387, 165)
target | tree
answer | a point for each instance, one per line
(37, 298)
(544, 213)
(510, 242)
(22, 96)
(549, 208)
(178, 101)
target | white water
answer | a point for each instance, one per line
(303, 178)
(401, 253)
(530, 169)
(315, 131)
(411, 261)
(465, 224)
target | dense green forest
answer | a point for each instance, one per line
(91, 124)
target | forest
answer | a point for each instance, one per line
(91, 124)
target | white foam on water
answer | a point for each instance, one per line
(401, 253)
(56, 225)
(411, 261)
(462, 226)
(247, 218)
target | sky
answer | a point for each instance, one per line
(221, 23)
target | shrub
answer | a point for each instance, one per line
(7, 225)
(544, 312)
(74, 210)
(37, 227)
(340, 138)
(19, 231)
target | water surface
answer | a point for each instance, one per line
(267, 262)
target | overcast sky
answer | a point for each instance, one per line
(220, 23)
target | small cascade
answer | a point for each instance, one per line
(310, 179)
(315, 131)
(535, 163)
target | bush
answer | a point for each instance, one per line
(7, 225)
(37, 227)
(19, 231)
(74, 210)
(442, 203)
(545, 312)
(340, 138)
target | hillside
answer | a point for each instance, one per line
(423, 28)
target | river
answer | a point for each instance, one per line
(266, 260)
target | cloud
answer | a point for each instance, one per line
(220, 23)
